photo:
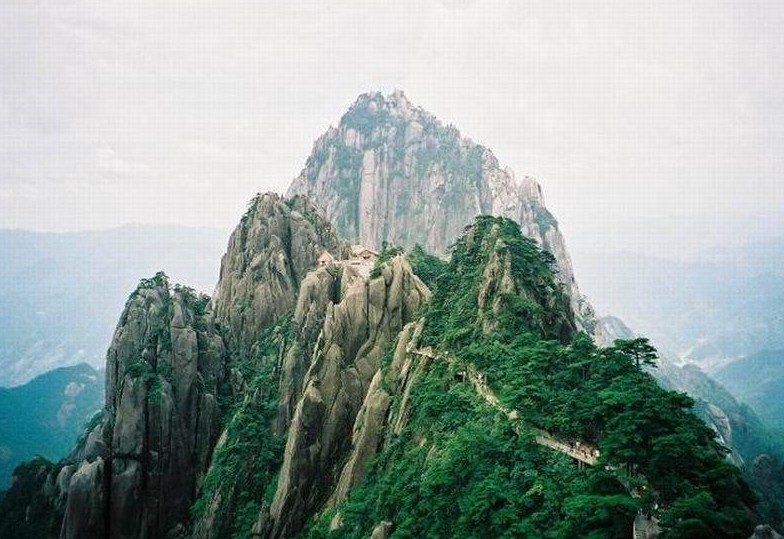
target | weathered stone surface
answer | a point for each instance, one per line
(763, 531)
(355, 334)
(381, 531)
(84, 505)
(277, 242)
(393, 172)
(140, 466)
(365, 439)
(269, 254)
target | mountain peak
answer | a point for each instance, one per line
(395, 104)
(393, 172)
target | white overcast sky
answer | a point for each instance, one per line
(653, 126)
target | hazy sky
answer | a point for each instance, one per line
(653, 126)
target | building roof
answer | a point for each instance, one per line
(359, 250)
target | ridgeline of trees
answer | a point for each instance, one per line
(458, 469)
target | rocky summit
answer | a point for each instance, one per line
(392, 172)
(346, 380)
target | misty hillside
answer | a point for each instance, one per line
(46, 415)
(758, 380)
(727, 305)
(61, 292)
(332, 391)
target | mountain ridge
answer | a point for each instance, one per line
(392, 172)
(262, 410)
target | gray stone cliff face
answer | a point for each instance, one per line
(273, 248)
(140, 466)
(138, 471)
(359, 318)
(393, 172)
(276, 243)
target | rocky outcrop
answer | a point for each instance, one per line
(340, 392)
(365, 438)
(276, 243)
(337, 384)
(142, 463)
(763, 531)
(364, 172)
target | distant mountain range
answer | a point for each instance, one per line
(758, 380)
(723, 314)
(61, 292)
(311, 398)
(726, 306)
(46, 415)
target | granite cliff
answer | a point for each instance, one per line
(392, 172)
(325, 391)
(136, 471)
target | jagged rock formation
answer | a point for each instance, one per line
(137, 471)
(318, 368)
(497, 287)
(341, 385)
(140, 466)
(276, 243)
(393, 172)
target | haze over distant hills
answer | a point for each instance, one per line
(725, 304)
(46, 415)
(61, 292)
(723, 312)
(759, 381)
(346, 395)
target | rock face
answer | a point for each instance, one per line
(141, 464)
(764, 531)
(136, 473)
(337, 385)
(393, 172)
(271, 251)
(276, 243)
(340, 392)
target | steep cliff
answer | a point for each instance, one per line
(468, 424)
(357, 331)
(276, 243)
(393, 172)
(316, 372)
(137, 471)
(336, 396)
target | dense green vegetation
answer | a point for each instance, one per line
(26, 508)
(537, 304)
(459, 469)
(426, 266)
(242, 474)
